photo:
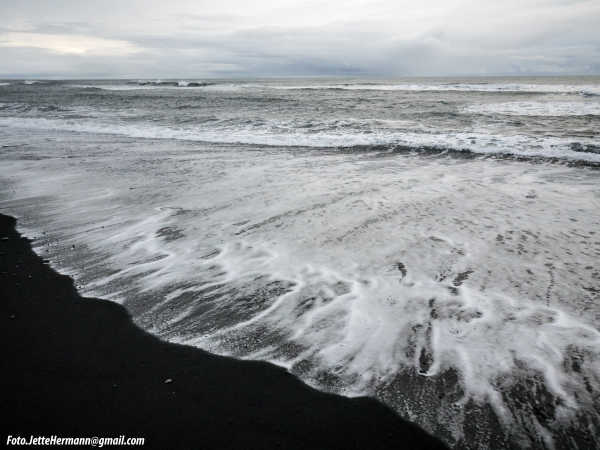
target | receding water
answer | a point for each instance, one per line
(434, 243)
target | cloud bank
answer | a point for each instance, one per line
(181, 38)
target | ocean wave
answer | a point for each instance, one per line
(180, 83)
(567, 149)
(514, 88)
(22, 83)
(532, 108)
(586, 90)
(144, 84)
(29, 110)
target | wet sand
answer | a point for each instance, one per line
(79, 367)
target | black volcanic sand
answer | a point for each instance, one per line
(79, 367)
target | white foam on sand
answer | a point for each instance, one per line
(365, 328)
(357, 266)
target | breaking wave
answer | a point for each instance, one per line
(335, 134)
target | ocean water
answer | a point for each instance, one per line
(430, 242)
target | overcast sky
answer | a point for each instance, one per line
(198, 38)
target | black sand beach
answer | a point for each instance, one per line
(79, 367)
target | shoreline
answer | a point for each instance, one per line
(79, 367)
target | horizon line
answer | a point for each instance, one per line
(234, 77)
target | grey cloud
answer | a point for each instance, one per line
(542, 36)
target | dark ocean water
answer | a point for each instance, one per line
(431, 242)
(551, 117)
